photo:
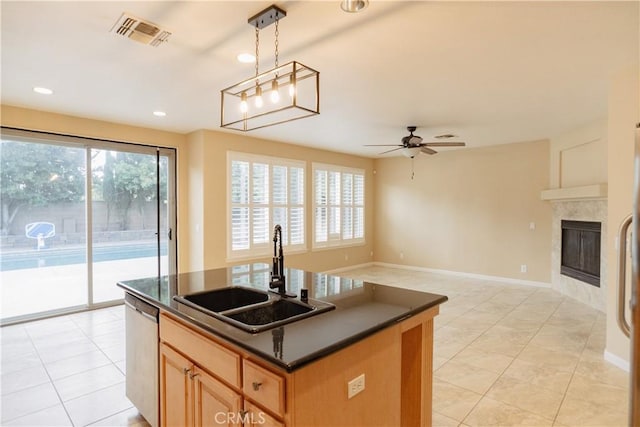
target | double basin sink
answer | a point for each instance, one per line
(252, 310)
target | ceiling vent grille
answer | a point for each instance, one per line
(139, 30)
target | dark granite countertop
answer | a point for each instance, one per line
(362, 309)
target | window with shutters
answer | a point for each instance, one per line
(264, 191)
(338, 206)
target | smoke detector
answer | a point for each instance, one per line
(140, 30)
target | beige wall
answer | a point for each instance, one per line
(467, 211)
(570, 152)
(624, 113)
(202, 184)
(208, 180)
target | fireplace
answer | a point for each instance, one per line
(580, 251)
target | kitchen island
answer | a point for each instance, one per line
(367, 362)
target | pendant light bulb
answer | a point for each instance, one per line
(292, 87)
(259, 102)
(243, 102)
(275, 96)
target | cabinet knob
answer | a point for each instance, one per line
(256, 385)
(192, 375)
(185, 371)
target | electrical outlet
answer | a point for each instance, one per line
(346, 257)
(532, 226)
(355, 386)
(401, 255)
(523, 268)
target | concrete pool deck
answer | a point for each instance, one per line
(35, 290)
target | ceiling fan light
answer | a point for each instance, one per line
(411, 152)
(353, 6)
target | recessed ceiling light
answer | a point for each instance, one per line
(42, 90)
(353, 6)
(246, 58)
(159, 113)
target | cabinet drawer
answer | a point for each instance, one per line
(263, 387)
(256, 417)
(222, 362)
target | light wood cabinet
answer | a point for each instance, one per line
(264, 387)
(189, 396)
(176, 405)
(396, 363)
(215, 404)
(256, 417)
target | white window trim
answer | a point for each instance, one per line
(335, 243)
(257, 251)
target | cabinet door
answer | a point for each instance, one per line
(215, 403)
(256, 417)
(176, 389)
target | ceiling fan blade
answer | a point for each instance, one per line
(394, 149)
(428, 150)
(444, 144)
(382, 145)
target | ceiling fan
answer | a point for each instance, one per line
(412, 144)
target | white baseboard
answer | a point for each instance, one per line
(617, 361)
(469, 275)
(350, 267)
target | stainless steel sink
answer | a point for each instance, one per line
(253, 310)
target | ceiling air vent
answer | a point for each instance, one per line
(140, 30)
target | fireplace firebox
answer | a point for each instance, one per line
(581, 251)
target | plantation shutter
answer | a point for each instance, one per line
(263, 192)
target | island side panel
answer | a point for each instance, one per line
(318, 391)
(417, 369)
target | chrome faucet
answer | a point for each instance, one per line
(278, 279)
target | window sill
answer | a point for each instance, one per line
(337, 246)
(255, 257)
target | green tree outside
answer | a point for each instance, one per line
(34, 174)
(37, 175)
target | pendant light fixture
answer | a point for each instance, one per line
(282, 94)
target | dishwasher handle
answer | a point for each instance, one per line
(144, 308)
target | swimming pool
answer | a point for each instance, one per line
(77, 255)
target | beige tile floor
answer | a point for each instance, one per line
(512, 355)
(504, 355)
(66, 371)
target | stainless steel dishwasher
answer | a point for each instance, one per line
(141, 319)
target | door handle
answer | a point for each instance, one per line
(622, 273)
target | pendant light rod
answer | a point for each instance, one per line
(267, 17)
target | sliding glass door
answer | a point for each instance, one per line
(129, 213)
(79, 215)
